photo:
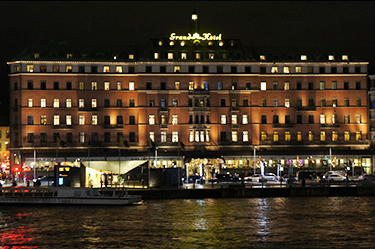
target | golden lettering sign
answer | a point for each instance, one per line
(195, 36)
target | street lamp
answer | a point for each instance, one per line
(255, 151)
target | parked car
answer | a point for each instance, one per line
(271, 177)
(255, 178)
(195, 178)
(334, 177)
(225, 178)
(365, 177)
(306, 175)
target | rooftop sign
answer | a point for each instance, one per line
(195, 36)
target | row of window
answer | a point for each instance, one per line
(323, 136)
(194, 86)
(311, 119)
(311, 102)
(190, 69)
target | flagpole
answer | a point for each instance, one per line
(179, 164)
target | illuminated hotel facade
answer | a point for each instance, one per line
(226, 102)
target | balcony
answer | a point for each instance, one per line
(282, 125)
(87, 109)
(329, 125)
(306, 108)
(235, 108)
(163, 108)
(163, 126)
(199, 92)
(235, 126)
(62, 126)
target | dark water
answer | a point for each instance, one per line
(320, 222)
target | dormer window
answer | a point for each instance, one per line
(36, 56)
(69, 56)
(160, 43)
(211, 56)
(331, 57)
(156, 56)
(170, 56)
(303, 57)
(197, 56)
(177, 69)
(30, 68)
(184, 56)
(262, 57)
(131, 56)
(345, 57)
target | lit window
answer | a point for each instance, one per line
(202, 136)
(174, 102)
(196, 136)
(298, 69)
(311, 136)
(94, 85)
(234, 136)
(82, 137)
(156, 56)
(358, 118)
(262, 57)
(131, 56)
(191, 86)
(106, 86)
(286, 86)
(56, 68)
(30, 68)
(43, 119)
(207, 136)
(334, 85)
(177, 85)
(303, 57)
(322, 118)
(263, 86)
(16, 69)
(346, 118)
(335, 118)
(322, 85)
(56, 119)
(274, 70)
(287, 136)
(183, 56)
(30, 102)
(299, 136)
(322, 136)
(151, 119)
(43, 103)
(234, 119)
(245, 136)
(275, 136)
(331, 57)
(191, 136)
(275, 102)
(263, 136)
(286, 69)
(334, 102)
(174, 119)
(345, 57)
(81, 85)
(211, 56)
(335, 136)
(68, 120)
(94, 103)
(69, 56)
(358, 135)
(36, 56)
(68, 103)
(81, 120)
(94, 119)
(177, 69)
(170, 56)
(118, 69)
(346, 135)
(119, 85)
(174, 136)
(56, 103)
(245, 119)
(287, 102)
(131, 86)
(163, 136)
(197, 56)
(223, 119)
(68, 69)
(106, 69)
(81, 103)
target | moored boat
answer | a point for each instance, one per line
(67, 195)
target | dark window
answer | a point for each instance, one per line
(151, 102)
(311, 85)
(15, 86)
(205, 69)
(119, 103)
(223, 136)
(94, 137)
(148, 86)
(94, 69)
(43, 138)
(163, 86)
(346, 85)
(196, 119)
(119, 119)
(191, 69)
(107, 103)
(148, 69)
(357, 70)
(263, 70)
(299, 103)
(245, 102)
(247, 69)
(81, 69)
(69, 137)
(107, 120)
(287, 119)
(264, 119)
(56, 85)
(311, 102)
(299, 85)
(68, 85)
(345, 70)
(234, 85)
(30, 138)
(322, 69)
(208, 119)
(219, 69)
(107, 137)
(248, 86)
(131, 119)
(119, 136)
(310, 70)
(43, 69)
(334, 70)
(222, 103)
(163, 102)
(311, 119)
(233, 69)
(30, 120)
(131, 70)
(299, 119)
(163, 69)
(275, 119)
(30, 85)
(202, 119)
(43, 85)
(132, 137)
(55, 136)
(190, 119)
(190, 103)
(131, 102)
(358, 85)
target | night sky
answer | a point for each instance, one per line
(346, 24)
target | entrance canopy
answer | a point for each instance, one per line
(114, 166)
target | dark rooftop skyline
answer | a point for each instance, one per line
(342, 24)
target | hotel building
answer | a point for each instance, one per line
(229, 104)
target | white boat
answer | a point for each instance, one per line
(66, 195)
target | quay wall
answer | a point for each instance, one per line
(243, 192)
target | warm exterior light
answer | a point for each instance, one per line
(194, 17)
